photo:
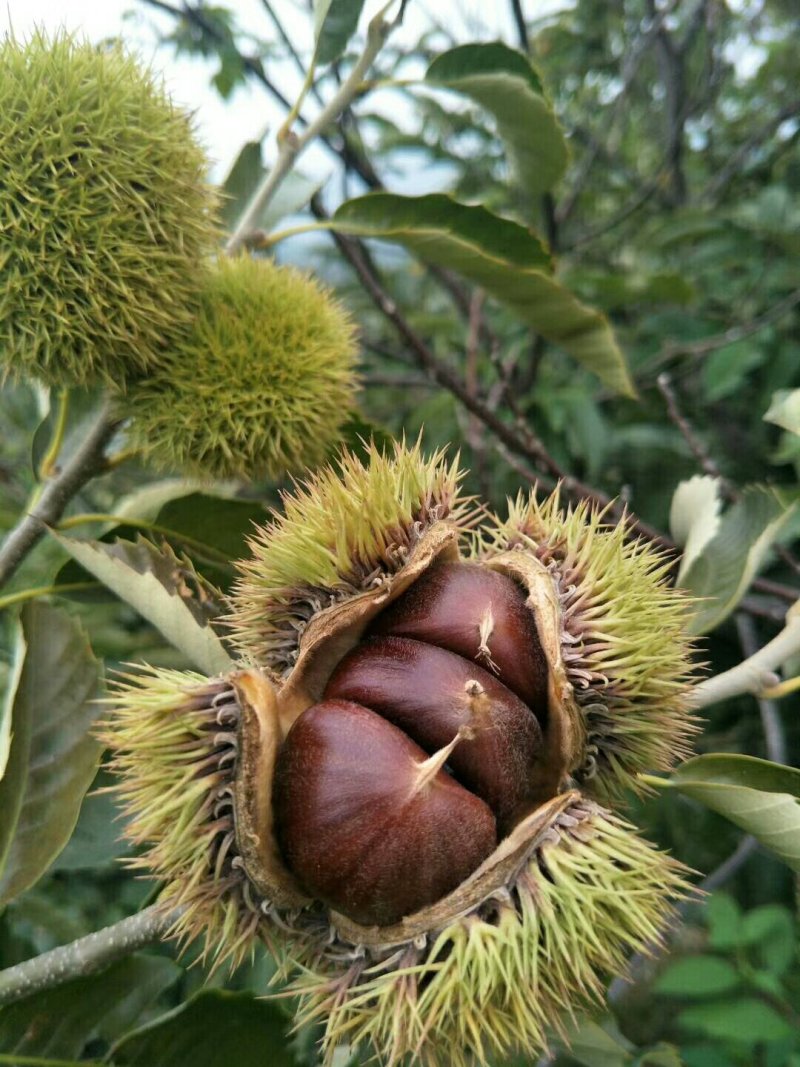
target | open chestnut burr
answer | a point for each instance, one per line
(399, 786)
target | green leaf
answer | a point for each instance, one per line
(242, 181)
(244, 178)
(726, 370)
(724, 917)
(758, 796)
(784, 410)
(156, 584)
(214, 1029)
(335, 22)
(499, 255)
(53, 755)
(771, 930)
(61, 1022)
(694, 517)
(97, 838)
(746, 1020)
(697, 976)
(729, 561)
(589, 1044)
(502, 80)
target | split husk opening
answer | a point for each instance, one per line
(269, 708)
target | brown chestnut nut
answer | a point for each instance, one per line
(430, 693)
(480, 614)
(359, 806)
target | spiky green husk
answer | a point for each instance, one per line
(509, 973)
(173, 734)
(503, 976)
(339, 533)
(625, 641)
(260, 385)
(107, 214)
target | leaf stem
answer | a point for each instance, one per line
(80, 468)
(292, 145)
(43, 590)
(753, 675)
(47, 466)
(86, 955)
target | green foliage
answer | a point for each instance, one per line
(103, 185)
(503, 81)
(762, 798)
(52, 756)
(163, 588)
(214, 1029)
(260, 385)
(500, 256)
(334, 24)
(727, 552)
(99, 1008)
(733, 1003)
(678, 224)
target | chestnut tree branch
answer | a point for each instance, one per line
(292, 145)
(753, 674)
(771, 725)
(87, 461)
(86, 955)
(705, 345)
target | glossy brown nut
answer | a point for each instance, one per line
(356, 826)
(453, 604)
(430, 693)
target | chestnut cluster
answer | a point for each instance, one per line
(422, 754)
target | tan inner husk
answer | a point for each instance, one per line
(268, 713)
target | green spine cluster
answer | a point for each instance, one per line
(625, 637)
(107, 218)
(260, 383)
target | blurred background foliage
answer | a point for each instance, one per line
(679, 217)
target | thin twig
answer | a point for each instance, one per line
(519, 438)
(519, 21)
(696, 446)
(771, 725)
(87, 461)
(344, 151)
(754, 674)
(290, 48)
(670, 349)
(86, 955)
(292, 145)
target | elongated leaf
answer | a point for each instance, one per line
(213, 1029)
(61, 1022)
(53, 756)
(499, 255)
(729, 561)
(503, 81)
(156, 584)
(784, 410)
(335, 22)
(762, 798)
